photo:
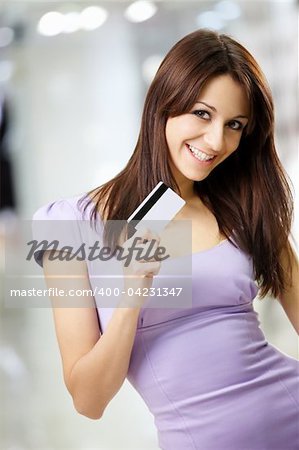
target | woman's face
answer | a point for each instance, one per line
(204, 137)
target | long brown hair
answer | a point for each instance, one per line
(248, 192)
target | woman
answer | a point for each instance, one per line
(206, 373)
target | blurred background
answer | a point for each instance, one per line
(73, 77)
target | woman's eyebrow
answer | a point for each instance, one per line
(214, 109)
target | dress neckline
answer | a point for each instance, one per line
(201, 252)
(224, 241)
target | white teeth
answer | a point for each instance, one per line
(200, 155)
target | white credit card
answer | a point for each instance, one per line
(159, 207)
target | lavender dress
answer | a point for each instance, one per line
(206, 373)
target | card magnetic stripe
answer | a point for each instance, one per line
(149, 203)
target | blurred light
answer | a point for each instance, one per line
(11, 364)
(140, 11)
(6, 71)
(6, 36)
(150, 67)
(228, 10)
(71, 22)
(210, 19)
(51, 24)
(93, 17)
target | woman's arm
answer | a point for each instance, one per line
(289, 299)
(94, 365)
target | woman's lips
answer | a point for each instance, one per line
(195, 159)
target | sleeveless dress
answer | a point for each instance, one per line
(206, 372)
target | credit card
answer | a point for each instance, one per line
(159, 207)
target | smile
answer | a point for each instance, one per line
(199, 154)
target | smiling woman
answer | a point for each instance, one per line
(206, 372)
(201, 139)
(236, 188)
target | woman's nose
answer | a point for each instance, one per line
(213, 137)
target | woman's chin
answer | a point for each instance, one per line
(198, 176)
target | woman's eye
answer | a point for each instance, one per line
(202, 114)
(236, 125)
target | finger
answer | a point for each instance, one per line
(145, 239)
(147, 233)
(149, 250)
(148, 267)
(139, 235)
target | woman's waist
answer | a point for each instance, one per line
(188, 357)
(151, 318)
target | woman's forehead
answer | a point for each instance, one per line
(224, 92)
